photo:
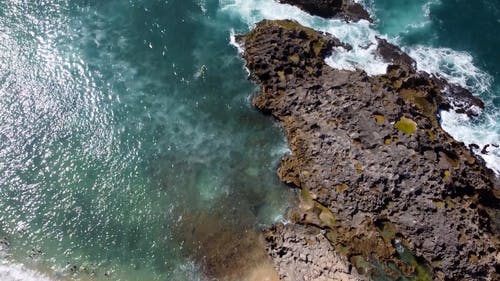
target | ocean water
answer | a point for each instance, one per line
(126, 133)
(127, 137)
(458, 40)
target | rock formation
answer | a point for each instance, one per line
(345, 9)
(379, 179)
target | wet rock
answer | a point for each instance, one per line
(394, 55)
(485, 149)
(4, 247)
(460, 99)
(345, 9)
(473, 146)
(453, 97)
(384, 184)
(303, 253)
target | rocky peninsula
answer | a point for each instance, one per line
(385, 192)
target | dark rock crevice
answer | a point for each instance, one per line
(376, 170)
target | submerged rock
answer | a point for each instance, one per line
(225, 244)
(379, 176)
(4, 247)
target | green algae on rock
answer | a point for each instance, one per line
(337, 140)
(406, 125)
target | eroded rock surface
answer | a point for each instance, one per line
(452, 96)
(303, 253)
(345, 9)
(378, 174)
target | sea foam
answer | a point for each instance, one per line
(18, 272)
(481, 133)
(455, 66)
(359, 35)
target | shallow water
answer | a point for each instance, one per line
(129, 150)
(121, 122)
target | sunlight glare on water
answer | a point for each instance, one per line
(129, 149)
(125, 128)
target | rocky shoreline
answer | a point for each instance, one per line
(385, 192)
(345, 9)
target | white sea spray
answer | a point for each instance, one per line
(456, 66)
(18, 272)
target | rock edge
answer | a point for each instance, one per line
(379, 177)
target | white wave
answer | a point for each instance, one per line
(348, 60)
(428, 5)
(359, 35)
(457, 67)
(364, 44)
(232, 42)
(486, 133)
(203, 6)
(18, 272)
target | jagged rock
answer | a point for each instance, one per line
(389, 187)
(460, 99)
(452, 96)
(345, 9)
(304, 253)
(392, 54)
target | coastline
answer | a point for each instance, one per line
(157, 159)
(379, 178)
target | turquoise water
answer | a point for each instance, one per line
(127, 141)
(458, 40)
(123, 124)
(462, 49)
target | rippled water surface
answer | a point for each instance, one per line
(129, 150)
(125, 135)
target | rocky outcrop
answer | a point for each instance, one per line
(388, 188)
(344, 9)
(301, 252)
(452, 96)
